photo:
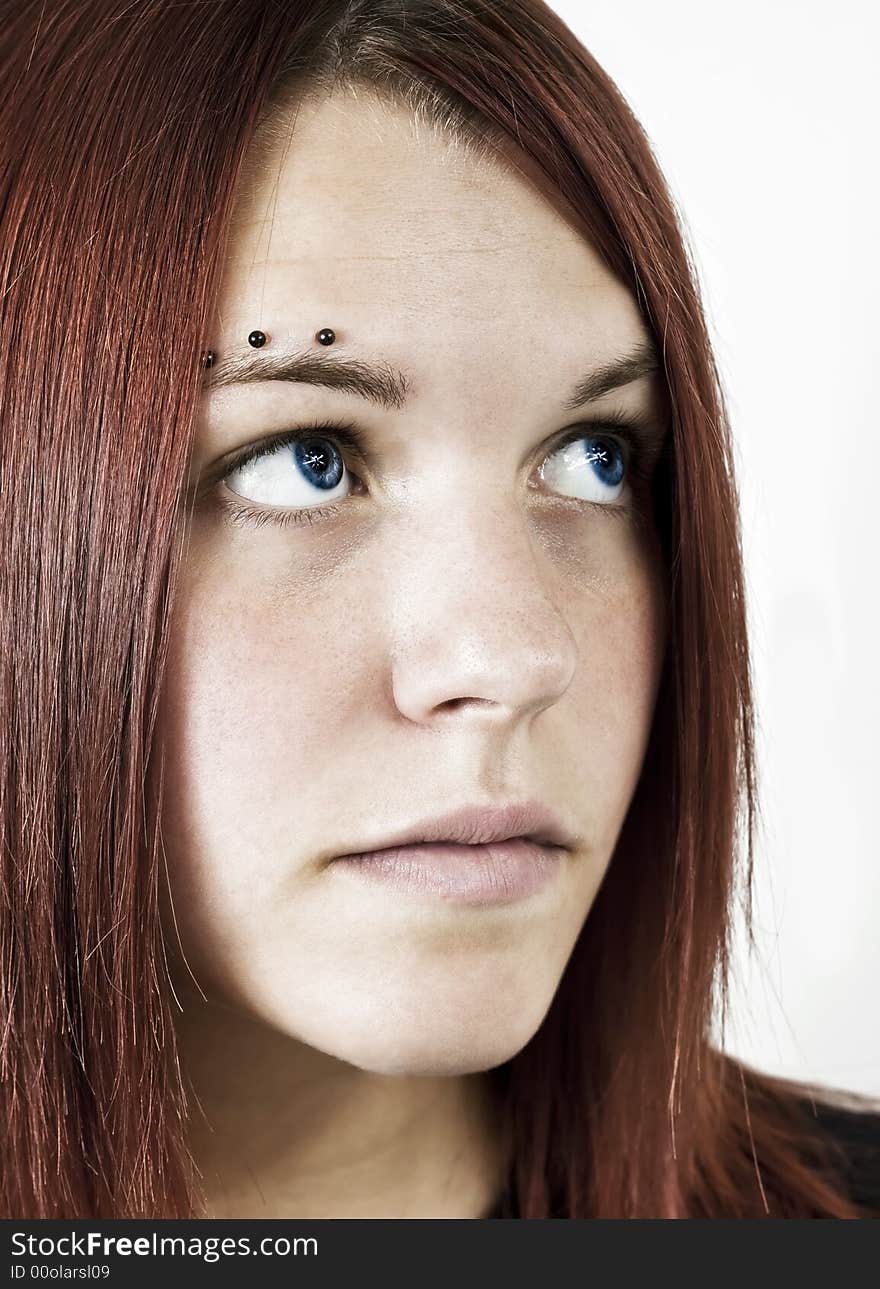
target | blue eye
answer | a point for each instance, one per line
(592, 464)
(309, 462)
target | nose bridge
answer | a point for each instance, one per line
(473, 615)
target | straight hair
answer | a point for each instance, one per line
(126, 132)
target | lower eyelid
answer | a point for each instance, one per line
(251, 517)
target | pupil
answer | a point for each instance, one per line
(320, 462)
(601, 455)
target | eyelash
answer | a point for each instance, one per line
(626, 429)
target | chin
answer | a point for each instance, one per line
(423, 1040)
(426, 1057)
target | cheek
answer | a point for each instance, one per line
(253, 704)
(616, 595)
(252, 701)
(260, 673)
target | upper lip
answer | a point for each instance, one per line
(475, 825)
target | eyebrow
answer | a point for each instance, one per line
(388, 387)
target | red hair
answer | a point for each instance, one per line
(124, 131)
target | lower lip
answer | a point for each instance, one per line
(494, 873)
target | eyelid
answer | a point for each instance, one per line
(640, 431)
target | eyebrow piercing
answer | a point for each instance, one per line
(257, 339)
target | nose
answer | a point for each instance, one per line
(476, 630)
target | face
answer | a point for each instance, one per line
(468, 611)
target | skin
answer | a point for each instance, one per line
(453, 635)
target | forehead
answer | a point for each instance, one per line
(357, 212)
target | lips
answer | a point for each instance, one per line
(493, 873)
(478, 825)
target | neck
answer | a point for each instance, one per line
(281, 1130)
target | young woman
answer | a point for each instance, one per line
(375, 687)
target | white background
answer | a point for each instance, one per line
(765, 118)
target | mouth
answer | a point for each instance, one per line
(528, 821)
(485, 873)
